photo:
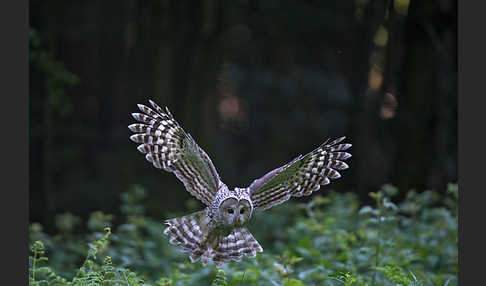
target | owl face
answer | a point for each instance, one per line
(233, 212)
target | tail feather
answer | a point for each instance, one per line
(233, 246)
(192, 234)
(188, 233)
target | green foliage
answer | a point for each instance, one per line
(396, 275)
(330, 240)
(345, 278)
(220, 279)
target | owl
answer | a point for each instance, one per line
(218, 233)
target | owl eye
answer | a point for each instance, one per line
(230, 211)
(242, 211)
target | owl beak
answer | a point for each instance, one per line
(237, 221)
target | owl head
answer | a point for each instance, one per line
(235, 212)
(235, 208)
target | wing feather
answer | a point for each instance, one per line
(301, 176)
(167, 146)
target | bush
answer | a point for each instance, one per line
(329, 241)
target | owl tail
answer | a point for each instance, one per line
(232, 247)
(192, 234)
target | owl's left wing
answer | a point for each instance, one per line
(301, 176)
(167, 146)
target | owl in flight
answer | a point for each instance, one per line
(218, 232)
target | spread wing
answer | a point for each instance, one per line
(167, 146)
(301, 176)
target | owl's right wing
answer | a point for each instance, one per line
(301, 176)
(167, 146)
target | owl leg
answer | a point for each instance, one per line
(189, 233)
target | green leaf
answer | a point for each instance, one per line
(294, 282)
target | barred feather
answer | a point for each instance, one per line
(234, 246)
(188, 233)
(193, 234)
(167, 146)
(301, 176)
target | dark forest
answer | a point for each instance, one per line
(256, 83)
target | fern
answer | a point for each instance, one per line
(220, 279)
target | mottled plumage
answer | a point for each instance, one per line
(218, 232)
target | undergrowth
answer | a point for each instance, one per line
(329, 241)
